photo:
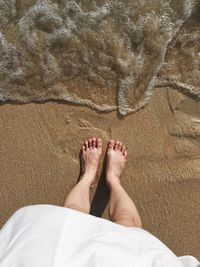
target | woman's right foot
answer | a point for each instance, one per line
(116, 159)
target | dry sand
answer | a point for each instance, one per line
(39, 161)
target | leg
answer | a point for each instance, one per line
(78, 198)
(122, 210)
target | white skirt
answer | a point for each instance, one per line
(52, 236)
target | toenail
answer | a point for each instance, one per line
(99, 142)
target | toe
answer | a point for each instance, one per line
(94, 142)
(123, 149)
(120, 146)
(117, 145)
(111, 144)
(125, 153)
(86, 144)
(90, 143)
(99, 142)
(83, 148)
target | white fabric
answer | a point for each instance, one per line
(47, 235)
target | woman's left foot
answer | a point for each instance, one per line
(91, 153)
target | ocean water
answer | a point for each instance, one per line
(108, 55)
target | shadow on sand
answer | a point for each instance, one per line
(101, 196)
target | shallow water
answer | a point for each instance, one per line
(108, 55)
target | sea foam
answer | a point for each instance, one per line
(108, 55)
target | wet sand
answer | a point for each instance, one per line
(39, 161)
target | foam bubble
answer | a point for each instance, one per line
(7, 12)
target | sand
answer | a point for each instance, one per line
(39, 161)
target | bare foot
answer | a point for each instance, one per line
(116, 159)
(91, 153)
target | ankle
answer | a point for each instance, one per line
(88, 177)
(113, 182)
(90, 170)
